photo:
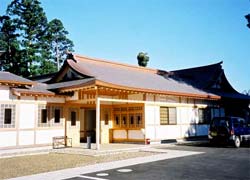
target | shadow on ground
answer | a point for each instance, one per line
(212, 145)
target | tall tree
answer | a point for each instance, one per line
(143, 59)
(10, 59)
(38, 42)
(30, 20)
(58, 41)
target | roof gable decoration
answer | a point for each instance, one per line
(67, 73)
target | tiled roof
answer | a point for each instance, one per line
(132, 76)
(7, 77)
(204, 77)
(70, 84)
(22, 85)
(38, 89)
(201, 77)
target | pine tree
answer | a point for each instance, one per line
(10, 59)
(59, 43)
(38, 43)
(30, 21)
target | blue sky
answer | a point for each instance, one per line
(176, 34)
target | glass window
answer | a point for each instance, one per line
(106, 119)
(7, 116)
(131, 119)
(73, 118)
(44, 115)
(57, 115)
(117, 120)
(138, 120)
(124, 120)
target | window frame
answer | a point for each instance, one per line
(7, 120)
(167, 115)
(10, 110)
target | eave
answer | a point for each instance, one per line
(35, 94)
(97, 84)
(15, 83)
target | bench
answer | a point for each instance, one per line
(61, 141)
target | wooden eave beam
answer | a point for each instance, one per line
(140, 90)
(16, 83)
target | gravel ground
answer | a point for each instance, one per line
(33, 164)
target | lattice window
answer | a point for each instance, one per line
(168, 115)
(57, 114)
(43, 116)
(7, 115)
(49, 116)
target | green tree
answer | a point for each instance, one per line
(9, 46)
(31, 22)
(38, 43)
(58, 41)
(142, 59)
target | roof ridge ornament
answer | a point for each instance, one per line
(70, 56)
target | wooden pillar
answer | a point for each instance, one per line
(97, 121)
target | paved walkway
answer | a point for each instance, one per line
(76, 172)
(104, 149)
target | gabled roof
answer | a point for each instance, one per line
(20, 85)
(37, 89)
(207, 78)
(12, 79)
(202, 77)
(112, 74)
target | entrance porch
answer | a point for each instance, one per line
(104, 119)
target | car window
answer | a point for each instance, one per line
(242, 123)
(220, 122)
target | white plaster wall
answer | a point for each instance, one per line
(152, 120)
(184, 128)
(45, 136)
(152, 114)
(4, 93)
(27, 116)
(186, 115)
(168, 132)
(26, 137)
(135, 134)
(150, 132)
(8, 138)
(119, 134)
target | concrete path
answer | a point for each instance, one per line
(76, 172)
(104, 150)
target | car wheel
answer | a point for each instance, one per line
(212, 142)
(237, 142)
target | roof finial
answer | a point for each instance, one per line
(70, 56)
